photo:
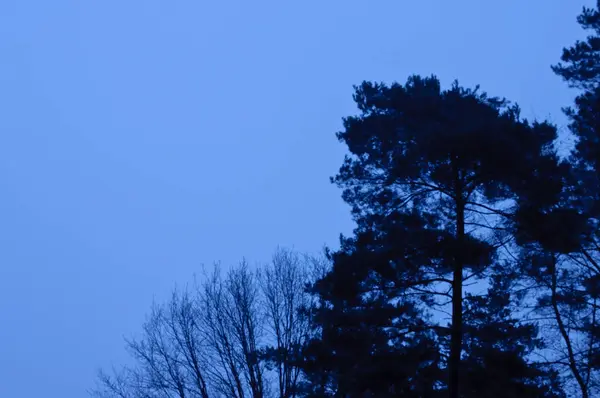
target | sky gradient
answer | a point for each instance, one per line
(140, 139)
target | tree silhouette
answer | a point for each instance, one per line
(434, 177)
(572, 278)
(580, 65)
(237, 334)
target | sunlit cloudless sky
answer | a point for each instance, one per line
(140, 139)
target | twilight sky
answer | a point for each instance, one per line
(140, 139)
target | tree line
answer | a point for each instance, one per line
(473, 270)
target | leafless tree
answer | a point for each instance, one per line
(216, 339)
(170, 356)
(283, 283)
(232, 326)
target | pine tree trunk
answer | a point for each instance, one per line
(457, 282)
(565, 335)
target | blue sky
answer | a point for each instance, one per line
(140, 139)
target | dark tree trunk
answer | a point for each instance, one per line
(565, 335)
(457, 282)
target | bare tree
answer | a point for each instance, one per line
(116, 386)
(168, 357)
(217, 339)
(181, 319)
(225, 372)
(283, 283)
(230, 314)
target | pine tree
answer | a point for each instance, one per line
(580, 65)
(432, 177)
(571, 277)
(497, 346)
(373, 339)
